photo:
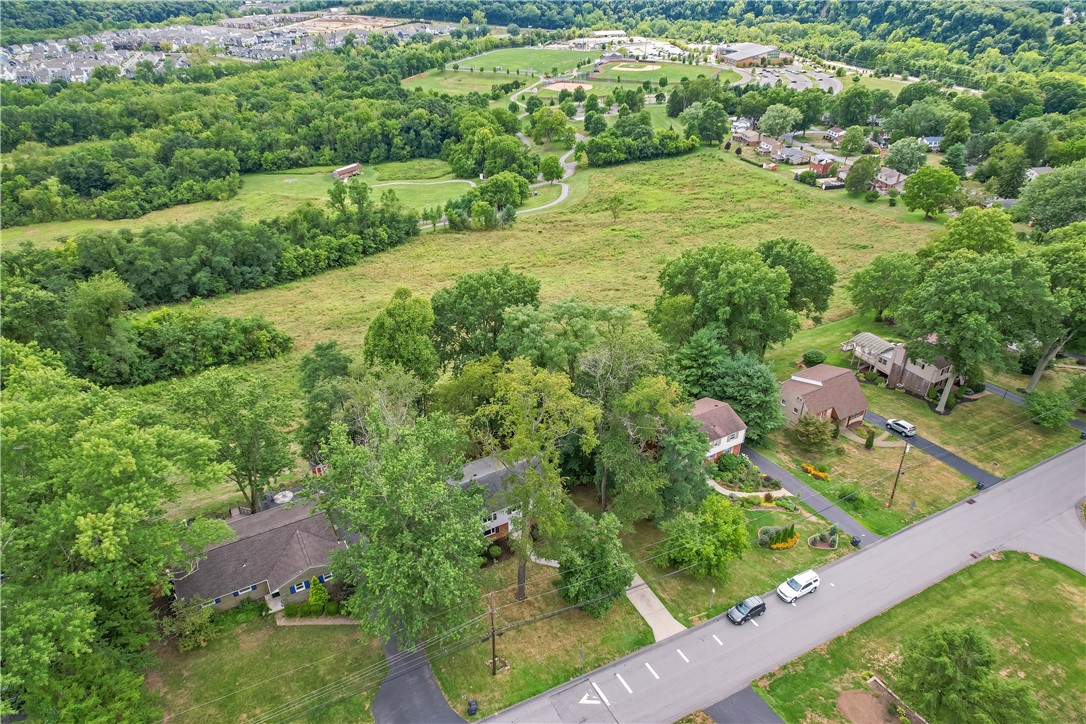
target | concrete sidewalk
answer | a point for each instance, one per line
(652, 609)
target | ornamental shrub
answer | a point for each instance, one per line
(870, 442)
(494, 552)
(871, 196)
(814, 357)
(292, 610)
(331, 608)
(318, 594)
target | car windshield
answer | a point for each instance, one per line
(794, 584)
(742, 607)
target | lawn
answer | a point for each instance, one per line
(674, 72)
(262, 195)
(540, 655)
(453, 81)
(870, 81)
(257, 666)
(990, 432)
(926, 485)
(1047, 650)
(688, 597)
(785, 358)
(537, 60)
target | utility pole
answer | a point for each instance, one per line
(896, 477)
(493, 639)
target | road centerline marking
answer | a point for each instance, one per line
(623, 682)
(683, 655)
(651, 670)
(600, 692)
(717, 640)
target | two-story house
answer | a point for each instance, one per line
(726, 430)
(888, 178)
(891, 361)
(494, 477)
(769, 145)
(826, 391)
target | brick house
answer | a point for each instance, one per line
(821, 164)
(273, 556)
(825, 391)
(726, 430)
(747, 137)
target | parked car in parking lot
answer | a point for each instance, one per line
(745, 610)
(798, 585)
(901, 426)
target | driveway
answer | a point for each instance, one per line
(941, 454)
(410, 694)
(707, 664)
(1017, 399)
(811, 497)
(743, 707)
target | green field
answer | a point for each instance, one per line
(461, 81)
(674, 72)
(258, 666)
(537, 60)
(870, 81)
(264, 195)
(1031, 609)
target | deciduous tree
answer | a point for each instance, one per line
(930, 189)
(550, 168)
(906, 155)
(421, 535)
(854, 141)
(592, 565)
(400, 334)
(707, 540)
(883, 283)
(1054, 199)
(811, 274)
(862, 174)
(779, 119)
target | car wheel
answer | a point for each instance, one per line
(813, 590)
(887, 426)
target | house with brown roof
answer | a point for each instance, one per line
(891, 360)
(769, 145)
(826, 391)
(888, 178)
(747, 137)
(726, 430)
(835, 134)
(273, 556)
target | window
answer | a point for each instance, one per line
(733, 436)
(252, 587)
(795, 410)
(490, 531)
(218, 600)
(299, 587)
(325, 578)
(237, 593)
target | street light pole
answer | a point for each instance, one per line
(900, 464)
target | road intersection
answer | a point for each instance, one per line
(1034, 511)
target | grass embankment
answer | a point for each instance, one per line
(264, 195)
(688, 597)
(257, 666)
(540, 655)
(1031, 609)
(461, 81)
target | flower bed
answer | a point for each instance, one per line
(778, 538)
(737, 472)
(815, 472)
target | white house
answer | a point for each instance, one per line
(726, 430)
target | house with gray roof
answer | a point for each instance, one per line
(494, 477)
(825, 391)
(891, 361)
(273, 555)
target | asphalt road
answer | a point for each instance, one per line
(940, 453)
(1034, 511)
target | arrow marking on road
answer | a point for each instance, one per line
(717, 640)
(683, 655)
(651, 671)
(600, 692)
(623, 681)
(589, 699)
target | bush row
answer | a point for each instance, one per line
(308, 610)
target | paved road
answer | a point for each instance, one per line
(700, 667)
(743, 707)
(1017, 399)
(410, 694)
(811, 497)
(941, 454)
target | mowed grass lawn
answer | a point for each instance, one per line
(578, 248)
(639, 72)
(540, 655)
(538, 60)
(688, 597)
(990, 432)
(263, 195)
(926, 485)
(461, 81)
(890, 84)
(258, 666)
(1033, 612)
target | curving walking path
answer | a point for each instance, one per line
(469, 182)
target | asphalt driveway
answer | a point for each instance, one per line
(410, 693)
(941, 454)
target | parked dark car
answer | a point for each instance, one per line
(743, 611)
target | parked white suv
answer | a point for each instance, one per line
(904, 427)
(798, 585)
